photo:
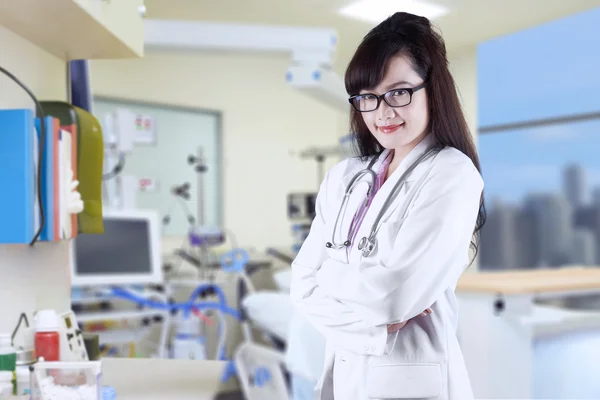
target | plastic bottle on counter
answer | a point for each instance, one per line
(6, 384)
(47, 337)
(8, 354)
(23, 381)
(189, 341)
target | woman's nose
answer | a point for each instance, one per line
(384, 111)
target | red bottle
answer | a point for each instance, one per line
(47, 336)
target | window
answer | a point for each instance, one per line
(180, 133)
(542, 195)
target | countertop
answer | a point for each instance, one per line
(571, 279)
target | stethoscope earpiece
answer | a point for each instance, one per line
(329, 245)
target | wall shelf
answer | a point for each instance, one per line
(78, 29)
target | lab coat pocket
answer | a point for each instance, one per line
(404, 381)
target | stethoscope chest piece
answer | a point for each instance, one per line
(366, 246)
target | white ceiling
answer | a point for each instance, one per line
(468, 23)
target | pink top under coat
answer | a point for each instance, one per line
(379, 180)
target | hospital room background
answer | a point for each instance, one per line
(199, 133)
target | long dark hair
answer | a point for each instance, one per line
(414, 37)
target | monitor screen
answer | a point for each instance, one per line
(124, 254)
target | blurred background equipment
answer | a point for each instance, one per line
(301, 211)
(129, 251)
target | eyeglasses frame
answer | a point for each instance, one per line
(411, 92)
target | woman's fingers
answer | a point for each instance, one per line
(395, 327)
(426, 312)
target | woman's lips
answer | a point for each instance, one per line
(390, 128)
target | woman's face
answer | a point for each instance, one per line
(399, 128)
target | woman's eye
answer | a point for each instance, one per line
(400, 92)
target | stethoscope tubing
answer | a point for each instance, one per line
(367, 243)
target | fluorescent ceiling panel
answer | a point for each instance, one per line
(375, 11)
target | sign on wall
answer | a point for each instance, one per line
(145, 129)
(148, 185)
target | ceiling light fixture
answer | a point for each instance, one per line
(375, 11)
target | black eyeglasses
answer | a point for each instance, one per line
(394, 98)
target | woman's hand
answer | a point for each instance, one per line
(396, 327)
(393, 328)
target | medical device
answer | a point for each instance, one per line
(128, 253)
(188, 308)
(301, 212)
(367, 243)
(189, 341)
(119, 139)
(199, 164)
(301, 206)
(200, 235)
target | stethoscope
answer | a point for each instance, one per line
(367, 244)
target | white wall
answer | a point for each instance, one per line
(38, 277)
(263, 120)
(464, 69)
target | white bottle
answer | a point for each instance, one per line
(6, 385)
(23, 381)
(189, 342)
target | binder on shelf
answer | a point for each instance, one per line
(65, 154)
(18, 141)
(48, 178)
(56, 176)
(65, 112)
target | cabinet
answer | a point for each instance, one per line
(518, 344)
(78, 29)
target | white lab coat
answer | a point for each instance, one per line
(422, 249)
(305, 351)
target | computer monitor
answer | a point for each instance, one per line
(127, 253)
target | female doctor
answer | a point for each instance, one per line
(377, 273)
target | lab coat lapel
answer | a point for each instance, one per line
(354, 203)
(386, 189)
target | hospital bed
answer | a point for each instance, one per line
(261, 365)
(263, 361)
(301, 347)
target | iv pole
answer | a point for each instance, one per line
(200, 167)
(320, 154)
